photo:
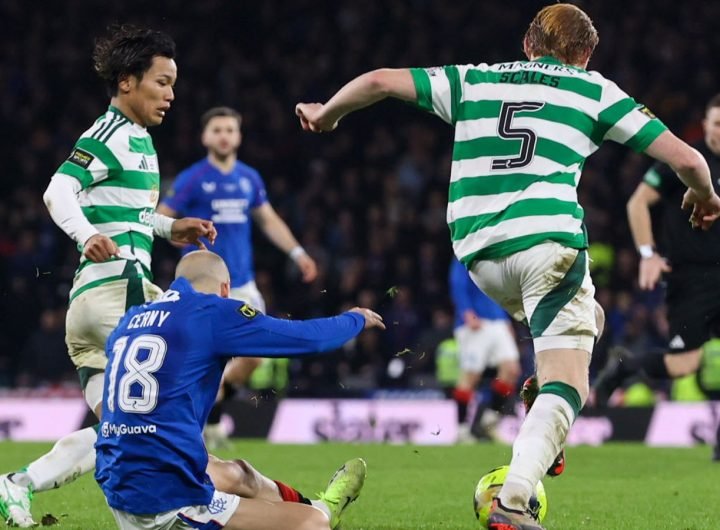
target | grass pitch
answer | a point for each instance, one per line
(612, 487)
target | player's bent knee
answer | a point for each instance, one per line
(234, 476)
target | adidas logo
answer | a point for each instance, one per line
(677, 342)
(143, 164)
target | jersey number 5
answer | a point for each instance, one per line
(138, 390)
(506, 131)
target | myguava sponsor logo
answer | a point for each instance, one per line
(121, 429)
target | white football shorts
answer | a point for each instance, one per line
(549, 287)
(211, 517)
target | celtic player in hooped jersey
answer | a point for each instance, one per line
(523, 130)
(104, 196)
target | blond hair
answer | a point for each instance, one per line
(563, 31)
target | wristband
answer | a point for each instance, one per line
(162, 225)
(296, 252)
(646, 251)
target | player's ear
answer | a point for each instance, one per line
(225, 289)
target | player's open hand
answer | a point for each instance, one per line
(100, 248)
(312, 117)
(705, 211)
(651, 270)
(372, 319)
(189, 230)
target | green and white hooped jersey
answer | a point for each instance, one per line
(522, 133)
(117, 166)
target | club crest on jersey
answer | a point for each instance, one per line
(209, 187)
(81, 158)
(245, 186)
(247, 311)
(154, 194)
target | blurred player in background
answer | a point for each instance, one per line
(166, 362)
(523, 130)
(222, 188)
(104, 197)
(485, 338)
(691, 263)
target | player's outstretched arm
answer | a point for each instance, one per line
(692, 168)
(239, 330)
(687, 162)
(362, 91)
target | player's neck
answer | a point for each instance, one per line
(126, 110)
(224, 164)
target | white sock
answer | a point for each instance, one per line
(72, 456)
(320, 505)
(539, 441)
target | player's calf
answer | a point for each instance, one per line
(528, 394)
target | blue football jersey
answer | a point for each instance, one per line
(165, 361)
(466, 295)
(227, 200)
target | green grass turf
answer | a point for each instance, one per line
(610, 488)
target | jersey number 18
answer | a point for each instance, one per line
(138, 390)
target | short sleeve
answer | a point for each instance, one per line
(180, 195)
(438, 90)
(662, 179)
(625, 121)
(259, 195)
(90, 162)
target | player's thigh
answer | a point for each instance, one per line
(474, 349)
(91, 317)
(558, 296)
(237, 477)
(492, 277)
(249, 293)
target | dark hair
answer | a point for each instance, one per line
(220, 111)
(563, 31)
(129, 50)
(714, 102)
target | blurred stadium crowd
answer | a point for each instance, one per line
(367, 202)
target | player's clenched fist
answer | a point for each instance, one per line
(100, 248)
(312, 117)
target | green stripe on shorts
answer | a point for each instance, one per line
(85, 373)
(555, 300)
(134, 293)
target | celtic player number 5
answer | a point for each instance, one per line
(506, 131)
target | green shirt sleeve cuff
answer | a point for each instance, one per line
(647, 135)
(423, 89)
